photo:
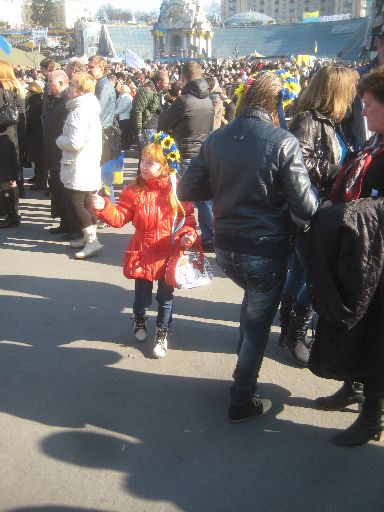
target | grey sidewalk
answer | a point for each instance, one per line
(88, 421)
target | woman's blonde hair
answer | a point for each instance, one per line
(8, 80)
(330, 91)
(153, 151)
(263, 93)
(84, 82)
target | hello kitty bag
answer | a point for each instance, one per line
(188, 269)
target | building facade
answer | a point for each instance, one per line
(292, 10)
(182, 30)
(65, 12)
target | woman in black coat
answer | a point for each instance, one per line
(34, 131)
(10, 90)
(347, 252)
(321, 107)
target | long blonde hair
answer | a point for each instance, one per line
(8, 80)
(330, 91)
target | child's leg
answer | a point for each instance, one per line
(165, 299)
(143, 296)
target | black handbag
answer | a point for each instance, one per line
(9, 113)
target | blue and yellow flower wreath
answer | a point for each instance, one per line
(169, 148)
(289, 92)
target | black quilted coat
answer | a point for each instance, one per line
(347, 283)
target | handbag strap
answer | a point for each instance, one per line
(176, 227)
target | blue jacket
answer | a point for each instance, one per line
(105, 93)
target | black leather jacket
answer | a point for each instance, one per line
(255, 174)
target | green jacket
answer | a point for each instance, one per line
(145, 105)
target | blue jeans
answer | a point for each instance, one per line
(143, 299)
(205, 219)
(204, 210)
(295, 285)
(262, 280)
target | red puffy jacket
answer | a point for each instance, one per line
(152, 216)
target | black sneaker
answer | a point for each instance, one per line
(256, 408)
(139, 324)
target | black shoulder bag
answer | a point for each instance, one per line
(9, 113)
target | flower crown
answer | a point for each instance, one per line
(169, 148)
(289, 92)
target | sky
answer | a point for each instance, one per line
(142, 5)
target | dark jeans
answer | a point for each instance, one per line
(205, 219)
(295, 285)
(262, 280)
(125, 135)
(80, 208)
(143, 299)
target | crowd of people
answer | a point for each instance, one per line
(288, 192)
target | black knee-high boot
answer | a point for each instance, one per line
(11, 201)
(370, 423)
(285, 312)
(349, 393)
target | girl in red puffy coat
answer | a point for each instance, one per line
(152, 206)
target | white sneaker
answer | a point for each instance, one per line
(140, 327)
(160, 348)
(89, 249)
(78, 243)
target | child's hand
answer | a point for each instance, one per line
(327, 204)
(186, 241)
(98, 202)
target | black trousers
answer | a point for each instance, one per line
(80, 207)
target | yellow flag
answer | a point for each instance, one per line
(313, 14)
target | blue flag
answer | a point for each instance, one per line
(5, 46)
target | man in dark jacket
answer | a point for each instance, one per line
(54, 116)
(255, 174)
(190, 120)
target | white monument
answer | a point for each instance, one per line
(182, 30)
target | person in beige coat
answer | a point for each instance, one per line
(81, 144)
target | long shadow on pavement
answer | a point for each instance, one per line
(167, 435)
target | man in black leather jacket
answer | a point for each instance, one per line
(255, 175)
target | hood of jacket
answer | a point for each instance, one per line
(198, 88)
(88, 101)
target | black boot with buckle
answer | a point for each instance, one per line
(297, 329)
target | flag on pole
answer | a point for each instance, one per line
(132, 60)
(5, 46)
